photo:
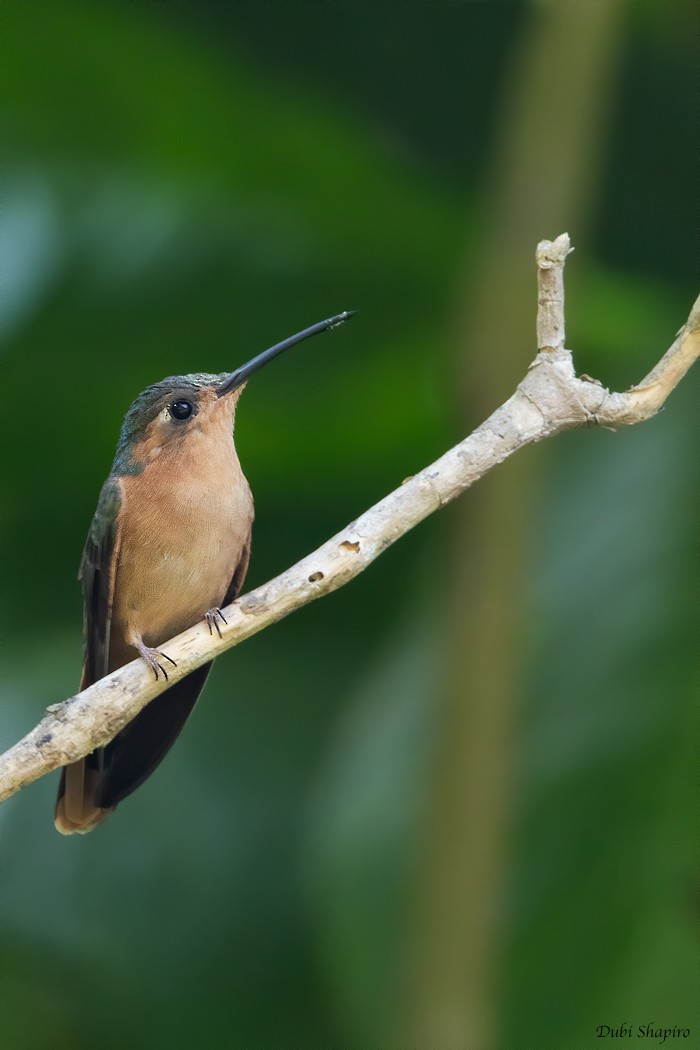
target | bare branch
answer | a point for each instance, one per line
(551, 256)
(548, 400)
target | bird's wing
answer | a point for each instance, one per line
(97, 574)
(75, 804)
(234, 587)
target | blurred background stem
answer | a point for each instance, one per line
(552, 127)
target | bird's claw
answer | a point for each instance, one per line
(212, 617)
(153, 658)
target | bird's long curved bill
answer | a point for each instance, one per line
(235, 379)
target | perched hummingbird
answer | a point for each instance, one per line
(169, 544)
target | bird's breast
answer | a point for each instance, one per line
(181, 537)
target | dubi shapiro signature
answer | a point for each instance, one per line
(649, 1031)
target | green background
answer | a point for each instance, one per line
(452, 805)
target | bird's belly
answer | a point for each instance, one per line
(174, 564)
(174, 590)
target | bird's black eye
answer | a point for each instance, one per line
(180, 410)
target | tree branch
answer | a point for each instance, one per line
(550, 398)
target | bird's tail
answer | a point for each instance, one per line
(76, 811)
(91, 788)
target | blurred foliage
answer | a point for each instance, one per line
(182, 186)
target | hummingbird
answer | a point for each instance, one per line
(168, 546)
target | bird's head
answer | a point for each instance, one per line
(165, 415)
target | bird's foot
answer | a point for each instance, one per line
(153, 658)
(212, 617)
